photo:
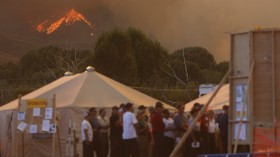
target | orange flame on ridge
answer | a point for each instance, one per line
(71, 17)
(40, 27)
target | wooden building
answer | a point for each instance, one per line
(255, 62)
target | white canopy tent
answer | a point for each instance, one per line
(222, 98)
(75, 94)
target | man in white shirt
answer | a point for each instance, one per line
(129, 132)
(87, 136)
(169, 135)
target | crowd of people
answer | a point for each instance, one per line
(152, 131)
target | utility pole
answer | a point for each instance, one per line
(2, 96)
(2, 93)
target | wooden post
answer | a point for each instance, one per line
(274, 92)
(58, 136)
(57, 128)
(245, 102)
(16, 140)
(187, 133)
(252, 121)
(22, 142)
(54, 120)
(75, 143)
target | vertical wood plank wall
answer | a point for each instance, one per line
(262, 47)
(277, 73)
(262, 82)
(240, 63)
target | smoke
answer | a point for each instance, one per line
(208, 23)
(174, 23)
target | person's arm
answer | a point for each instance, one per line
(134, 121)
(86, 135)
(144, 128)
(167, 128)
(152, 120)
(117, 121)
(204, 122)
(94, 128)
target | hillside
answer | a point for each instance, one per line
(73, 32)
(6, 57)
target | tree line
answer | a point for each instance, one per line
(129, 57)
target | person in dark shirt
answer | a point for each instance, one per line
(195, 135)
(180, 120)
(95, 128)
(222, 120)
(116, 134)
(158, 130)
(181, 125)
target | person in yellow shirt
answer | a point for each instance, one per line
(103, 132)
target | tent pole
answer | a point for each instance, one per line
(187, 133)
(22, 142)
(58, 136)
(17, 136)
(54, 119)
(75, 144)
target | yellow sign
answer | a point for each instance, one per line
(37, 103)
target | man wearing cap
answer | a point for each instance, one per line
(116, 133)
(158, 130)
(129, 132)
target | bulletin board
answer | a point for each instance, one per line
(240, 115)
(36, 116)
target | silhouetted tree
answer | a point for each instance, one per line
(50, 63)
(148, 54)
(9, 72)
(222, 67)
(114, 56)
(198, 55)
(212, 76)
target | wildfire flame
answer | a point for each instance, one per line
(70, 17)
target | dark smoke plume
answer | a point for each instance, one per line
(175, 23)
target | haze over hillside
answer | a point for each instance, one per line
(176, 23)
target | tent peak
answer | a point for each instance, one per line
(68, 73)
(90, 69)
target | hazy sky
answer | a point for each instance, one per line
(175, 23)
